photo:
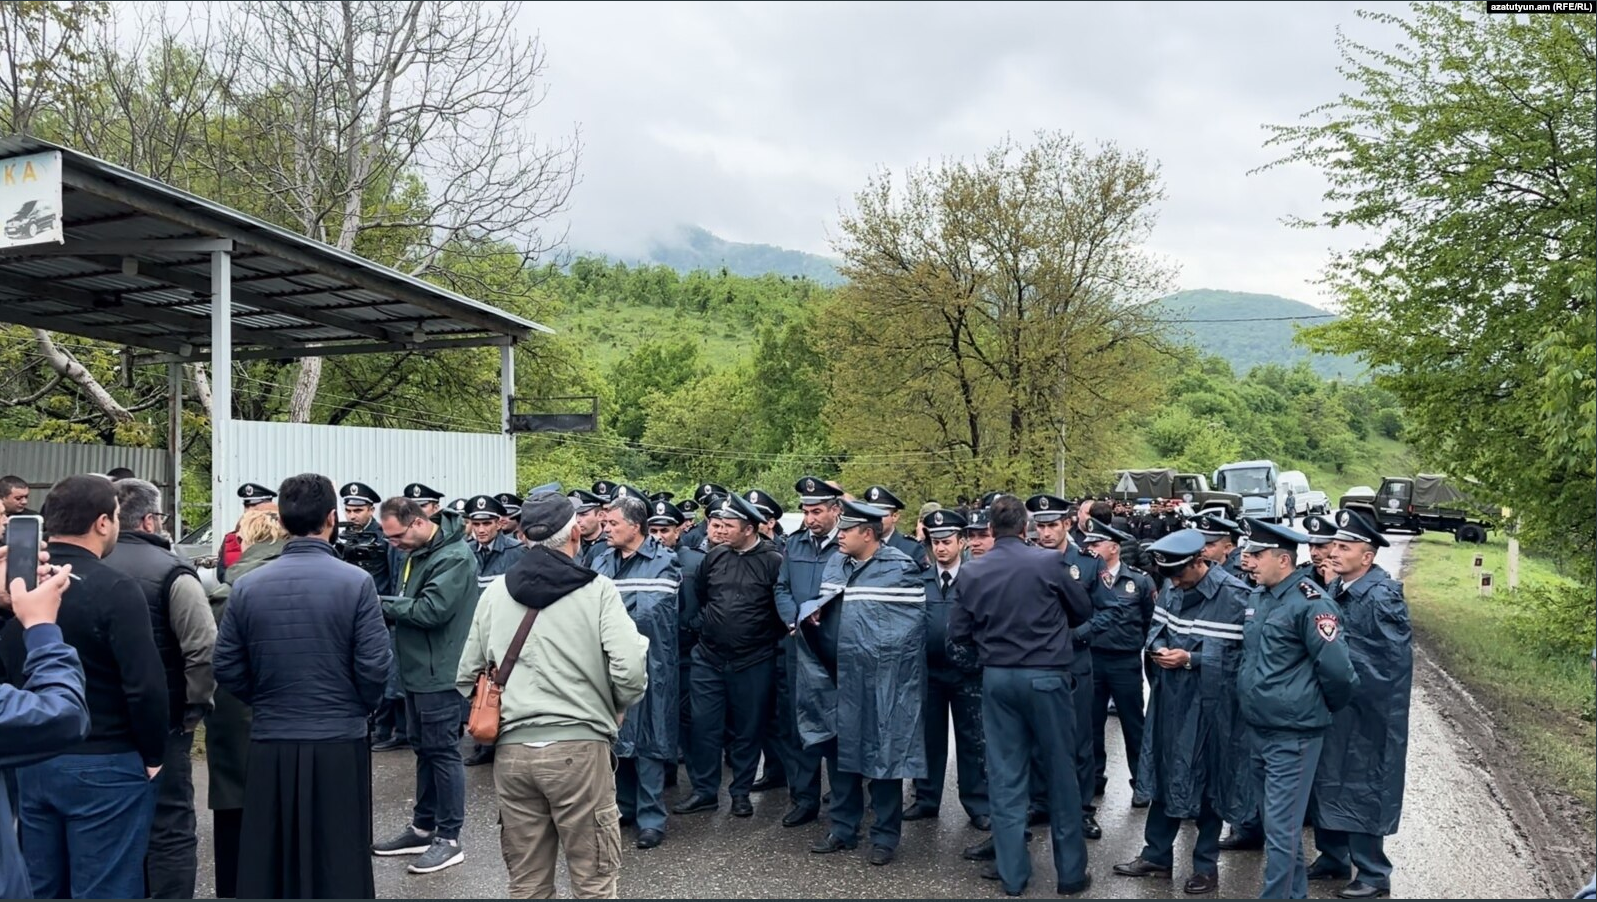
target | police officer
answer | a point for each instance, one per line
(510, 524)
(1116, 634)
(1017, 607)
(879, 496)
(978, 534)
(703, 499)
(953, 686)
(649, 580)
(428, 499)
(1358, 789)
(861, 680)
(1190, 748)
(1295, 672)
(666, 523)
(360, 503)
(590, 525)
(807, 554)
(1049, 515)
(1221, 548)
(780, 731)
(1321, 531)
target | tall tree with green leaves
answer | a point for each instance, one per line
(1467, 153)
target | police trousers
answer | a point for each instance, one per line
(950, 692)
(1287, 760)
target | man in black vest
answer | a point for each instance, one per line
(185, 635)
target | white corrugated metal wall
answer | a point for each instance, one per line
(455, 463)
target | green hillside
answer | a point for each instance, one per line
(1252, 329)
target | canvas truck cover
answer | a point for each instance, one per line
(1145, 484)
(1433, 491)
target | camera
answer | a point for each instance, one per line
(357, 546)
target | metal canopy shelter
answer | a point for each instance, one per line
(144, 264)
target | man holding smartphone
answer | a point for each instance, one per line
(101, 794)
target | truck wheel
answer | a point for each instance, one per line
(1471, 533)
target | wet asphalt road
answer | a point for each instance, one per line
(1456, 841)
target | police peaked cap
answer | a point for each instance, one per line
(815, 490)
(604, 489)
(940, 524)
(661, 496)
(583, 500)
(254, 493)
(1260, 536)
(879, 496)
(664, 513)
(978, 521)
(358, 493)
(767, 505)
(735, 507)
(458, 505)
(1099, 531)
(1214, 526)
(857, 514)
(988, 499)
(687, 505)
(706, 491)
(1353, 526)
(625, 491)
(484, 507)
(1047, 508)
(1177, 549)
(510, 502)
(1320, 529)
(418, 492)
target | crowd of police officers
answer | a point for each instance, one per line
(1278, 691)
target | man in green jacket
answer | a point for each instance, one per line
(435, 594)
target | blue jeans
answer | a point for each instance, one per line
(640, 790)
(1287, 761)
(1026, 712)
(86, 825)
(434, 720)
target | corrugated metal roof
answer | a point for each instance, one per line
(288, 290)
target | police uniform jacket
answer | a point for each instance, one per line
(649, 582)
(495, 558)
(802, 565)
(1123, 624)
(1358, 787)
(861, 676)
(688, 606)
(1088, 571)
(1191, 745)
(912, 549)
(1295, 666)
(952, 664)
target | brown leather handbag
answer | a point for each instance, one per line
(483, 725)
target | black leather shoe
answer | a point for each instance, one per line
(648, 839)
(1090, 828)
(1360, 890)
(1140, 867)
(696, 803)
(1325, 869)
(981, 822)
(1237, 841)
(881, 855)
(983, 851)
(392, 744)
(1139, 802)
(1199, 884)
(799, 815)
(766, 784)
(1071, 889)
(484, 755)
(742, 807)
(832, 844)
(990, 872)
(1035, 818)
(918, 812)
(1099, 786)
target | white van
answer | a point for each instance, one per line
(1305, 500)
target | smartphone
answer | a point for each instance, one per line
(22, 558)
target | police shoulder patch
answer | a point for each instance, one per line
(1326, 626)
(1310, 590)
(1075, 572)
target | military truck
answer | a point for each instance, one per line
(1427, 502)
(1166, 483)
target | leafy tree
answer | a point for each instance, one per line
(652, 369)
(1469, 152)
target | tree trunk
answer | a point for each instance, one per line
(202, 387)
(304, 399)
(69, 368)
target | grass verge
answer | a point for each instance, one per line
(1543, 699)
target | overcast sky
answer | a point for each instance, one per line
(758, 121)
